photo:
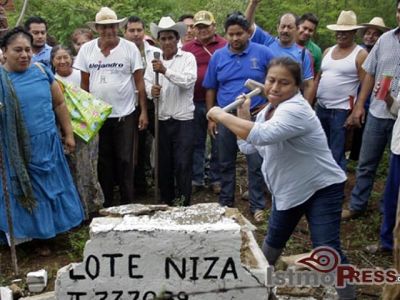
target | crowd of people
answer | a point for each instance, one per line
(293, 137)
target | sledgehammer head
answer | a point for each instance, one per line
(252, 85)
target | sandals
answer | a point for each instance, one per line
(259, 216)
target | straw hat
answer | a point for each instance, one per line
(346, 21)
(167, 24)
(106, 16)
(376, 23)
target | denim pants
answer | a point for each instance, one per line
(390, 201)
(227, 151)
(332, 121)
(377, 134)
(199, 153)
(323, 213)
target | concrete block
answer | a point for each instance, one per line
(37, 281)
(5, 293)
(202, 252)
(45, 296)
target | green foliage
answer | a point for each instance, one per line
(64, 16)
(77, 240)
(327, 11)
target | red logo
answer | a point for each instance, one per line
(327, 260)
(322, 259)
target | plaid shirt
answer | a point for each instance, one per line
(384, 59)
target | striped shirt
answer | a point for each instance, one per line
(384, 59)
(176, 99)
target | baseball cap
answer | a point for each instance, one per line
(203, 17)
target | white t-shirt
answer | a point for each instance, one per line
(74, 78)
(111, 77)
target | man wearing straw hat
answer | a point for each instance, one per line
(111, 69)
(177, 71)
(370, 35)
(382, 63)
(338, 82)
(372, 32)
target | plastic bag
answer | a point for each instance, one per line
(87, 113)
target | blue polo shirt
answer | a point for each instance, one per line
(43, 56)
(262, 37)
(227, 72)
(294, 51)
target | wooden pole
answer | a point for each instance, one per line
(156, 134)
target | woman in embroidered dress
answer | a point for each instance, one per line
(83, 161)
(44, 200)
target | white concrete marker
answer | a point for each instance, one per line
(198, 253)
(5, 293)
(37, 281)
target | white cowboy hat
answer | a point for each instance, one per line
(376, 23)
(106, 16)
(167, 24)
(346, 21)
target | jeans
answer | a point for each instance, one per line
(332, 121)
(377, 134)
(323, 213)
(200, 136)
(227, 151)
(390, 201)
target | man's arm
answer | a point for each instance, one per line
(317, 78)
(251, 13)
(309, 90)
(357, 117)
(63, 118)
(361, 56)
(210, 102)
(308, 75)
(139, 83)
(85, 81)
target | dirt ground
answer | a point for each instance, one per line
(356, 234)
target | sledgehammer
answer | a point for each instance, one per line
(256, 89)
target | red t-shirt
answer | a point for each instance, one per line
(203, 57)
